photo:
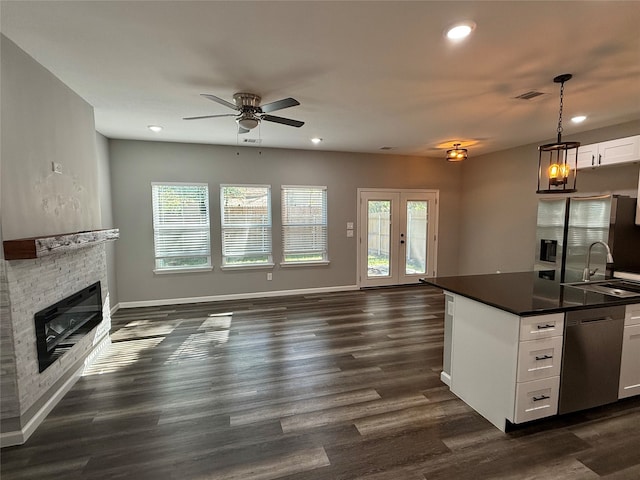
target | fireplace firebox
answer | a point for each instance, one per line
(60, 326)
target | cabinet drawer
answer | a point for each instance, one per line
(539, 359)
(541, 326)
(632, 315)
(536, 399)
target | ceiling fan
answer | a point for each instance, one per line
(251, 113)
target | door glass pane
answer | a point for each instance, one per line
(416, 246)
(379, 234)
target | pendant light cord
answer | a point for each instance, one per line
(560, 114)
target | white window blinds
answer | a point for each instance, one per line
(304, 224)
(181, 225)
(246, 224)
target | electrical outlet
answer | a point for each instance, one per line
(56, 167)
(269, 276)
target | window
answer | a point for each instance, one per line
(246, 225)
(304, 224)
(181, 226)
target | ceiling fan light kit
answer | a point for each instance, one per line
(558, 162)
(251, 113)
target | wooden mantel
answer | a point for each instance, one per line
(37, 247)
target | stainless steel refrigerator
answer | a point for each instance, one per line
(566, 227)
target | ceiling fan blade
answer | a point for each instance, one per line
(284, 121)
(279, 105)
(219, 100)
(210, 116)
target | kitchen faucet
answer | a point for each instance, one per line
(587, 272)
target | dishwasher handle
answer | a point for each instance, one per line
(602, 319)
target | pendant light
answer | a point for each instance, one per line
(457, 154)
(557, 162)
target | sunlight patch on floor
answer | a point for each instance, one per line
(119, 355)
(215, 332)
(143, 329)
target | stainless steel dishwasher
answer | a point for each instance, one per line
(591, 358)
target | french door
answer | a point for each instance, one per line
(397, 232)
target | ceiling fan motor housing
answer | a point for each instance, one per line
(247, 100)
(249, 106)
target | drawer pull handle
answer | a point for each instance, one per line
(543, 357)
(542, 327)
(541, 397)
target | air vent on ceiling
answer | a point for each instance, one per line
(251, 140)
(529, 95)
(386, 148)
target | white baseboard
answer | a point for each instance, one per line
(235, 296)
(18, 437)
(445, 378)
(115, 308)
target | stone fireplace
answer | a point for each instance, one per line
(63, 267)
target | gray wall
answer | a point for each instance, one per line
(499, 203)
(135, 164)
(106, 213)
(43, 121)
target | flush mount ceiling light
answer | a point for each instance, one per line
(155, 128)
(460, 30)
(457, 154)
(316, 140)
(555, 173)
(579, 118)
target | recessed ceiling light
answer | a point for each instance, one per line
(155, 128)
(579, 118)
(316, 140)
(460, 30)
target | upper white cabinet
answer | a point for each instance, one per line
(612, 152)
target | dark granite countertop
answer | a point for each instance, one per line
(524, 293)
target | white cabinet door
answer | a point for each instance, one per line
(620, 150)
(630, 363)
(588, 156)
(638, 204)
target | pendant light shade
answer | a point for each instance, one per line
(558, 162)
(457, 154)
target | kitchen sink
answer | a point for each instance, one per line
(616, 287)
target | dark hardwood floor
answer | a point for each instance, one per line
(333, 386)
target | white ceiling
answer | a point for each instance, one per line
(367, 74)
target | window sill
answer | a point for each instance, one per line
(304, 264)
(166, 271)
(248, 266)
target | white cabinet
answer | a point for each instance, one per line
(638, 204)
(506, 367)
(612, 152)
(630, 362)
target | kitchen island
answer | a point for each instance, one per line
(505, 336)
